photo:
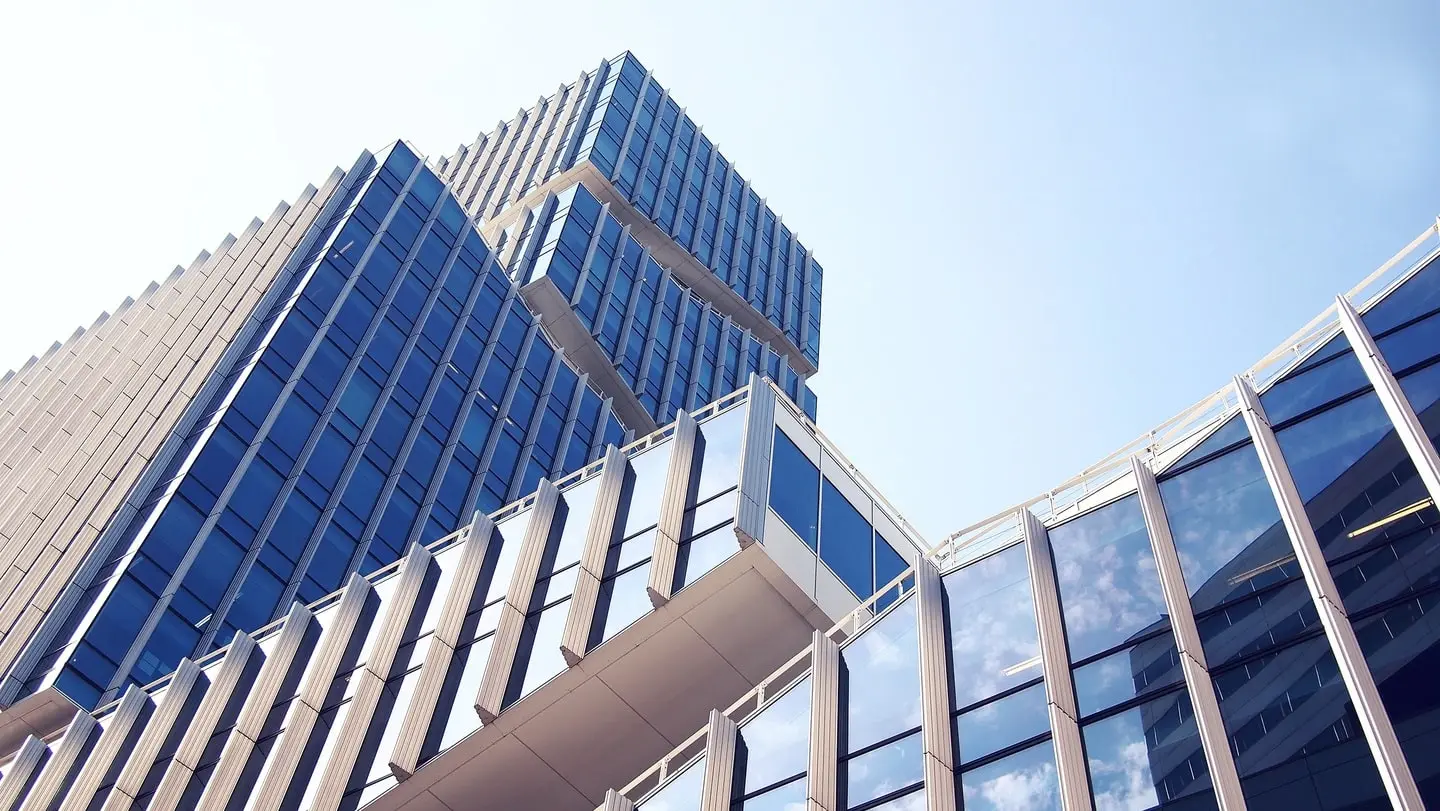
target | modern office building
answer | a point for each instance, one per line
(720, 614)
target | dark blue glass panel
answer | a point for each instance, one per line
(1359, 485)
(775, 742)
(881, 687)
(1025, 780)
(1412, 345)
(881, 771)
(993, 641)
(1120, 677)
(1297, 742)
(1109, 589)
(846, 541)
(1313, 388)
(888, 566)
(795, 489)
(1149, 757)
(1402, 648)
(1001, 723)
(1418, 295)
(1226, 528)
(1234, 430)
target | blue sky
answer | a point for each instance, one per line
(1046, 227)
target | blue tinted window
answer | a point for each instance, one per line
(795, 489)
(846, 541)
(1148, 757)
(1109, 588)
(882, 680)
(993, 641)
(1313, 388)
(888, 566)
(1402, 648)
(1418, 295)
(1412, 345)
(1002, 723)
(1234, 430)
(775, 742)
(1267, 702)
(1226, 528)
(881, 771)
(1122, 676)
(1026, 779)
(681, 793)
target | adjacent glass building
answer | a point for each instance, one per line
(504, 491)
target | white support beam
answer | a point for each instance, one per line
(672, 510)
(755, 452)
(1379, 733)
(405, 757)
(116, 741)
(822, 781)
(935, 707)
(19, 771)
(59, 770)
(1397, 406)
(599, 535)
(720, 743)
(1223, 773)
(1055, 661)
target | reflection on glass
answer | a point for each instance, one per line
(993, 641)
(1313, 387)
(1234, 430)
(1147, 757)
(1001, 723)
(776, 741)
(455, 711)
(795, 489)
(847, 542)
(883, 770)
(622, 600)
(1024, 781)
(1109, 589)
(644, 487)
(1414, 344)
(699, 555)
(681, 793)
(789, 797)
(914, 801)
(709, 515)
(1359, 485)
(631, 552)
(883, 679)
(718, 452)
(1258, 622)
(1294, 732)
(1226, 528)
(1417, 296)
(510, 533)
(1402, 648)
(579, 503)
(539, 650)
(1119, 677)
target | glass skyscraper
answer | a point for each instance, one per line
(495, 484)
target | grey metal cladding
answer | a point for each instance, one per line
(1070, 763)
(1379, 732)
(65, 757)
(294, 633)
(116, 741)
(824, 757)
(934, 645)
(164, 723)
(678, 478)
(720, 742)
(755, 451)
(19, 771)
(598, 537)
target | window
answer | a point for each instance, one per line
(994, 645)
(795, 489)
(846, 541)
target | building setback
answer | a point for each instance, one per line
(695, 602)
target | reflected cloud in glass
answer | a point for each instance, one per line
(993, 641)
(883, 679)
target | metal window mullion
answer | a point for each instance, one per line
(673, 228)
(666, 169)
(1055, 661)
(697, 359)
(1225, 777)
(642, 373)
(721, 737)
(115, 742)
(823, 763)
(570, 149)
(935, 729)
(590, 246)
(554, 137)
(567, 431)
(612, 272)
(489, 699)
(615, 801)
(19, 771)
(179, 694)
(1354, 671)
(598, 537)
(240, 744)
(1397, 406)
(399, 613)
(630, 129)
(200, 726)
(755, 453)
(405, 756)
(532, 431)
(672, 360)
(650, 147)
(59, 770)
(705, 186)
(672, 509)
